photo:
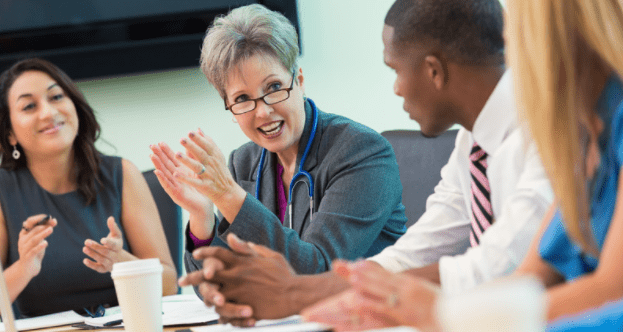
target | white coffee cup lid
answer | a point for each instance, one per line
(140, 266)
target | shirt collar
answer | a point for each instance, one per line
(498, 116)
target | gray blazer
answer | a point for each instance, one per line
(357, 198)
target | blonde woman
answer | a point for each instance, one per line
(567, 60)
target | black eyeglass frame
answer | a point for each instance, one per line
(261, 98)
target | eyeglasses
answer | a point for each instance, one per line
(270, 98)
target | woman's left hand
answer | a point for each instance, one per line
(107, 252)
(377, 299)
(213, 177)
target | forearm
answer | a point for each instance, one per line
(17, 278)
(429, 272)
(580, 295)
(169, 280)
(256, 223)
(306, 290)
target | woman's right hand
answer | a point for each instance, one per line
(197, 204)
(182, 194)
(32, 244)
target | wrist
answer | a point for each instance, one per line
(306, 290)
(296, 296)
(25, 270)
(230, 202)
(202, 227)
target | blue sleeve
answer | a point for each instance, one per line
(562, 254)
(606, 318)
(618, 135)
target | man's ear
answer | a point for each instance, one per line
(435, 70)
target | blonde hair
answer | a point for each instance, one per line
(245, 32)
(545, 38)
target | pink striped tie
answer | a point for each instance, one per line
(482, 213)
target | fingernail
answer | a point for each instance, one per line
(191, 134)
(178, 154)
(246, 312)
(183, 141)
(218, 300)
(342, 271)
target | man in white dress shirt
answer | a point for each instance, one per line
(448, 56)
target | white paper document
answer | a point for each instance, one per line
(58, 319)
(183, 309)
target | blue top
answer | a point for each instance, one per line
(64, 282)
(556, 248)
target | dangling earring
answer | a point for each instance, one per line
(233, 119)
(16, 153)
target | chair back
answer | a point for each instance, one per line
(420, 160)
(171, 217)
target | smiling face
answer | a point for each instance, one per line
(420, 82)
(43, 118)
(277, 127)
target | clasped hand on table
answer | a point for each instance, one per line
(252, 282)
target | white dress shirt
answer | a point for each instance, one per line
(520, 196)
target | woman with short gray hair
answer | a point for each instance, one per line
(337, 180)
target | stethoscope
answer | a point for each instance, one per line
(301, 171)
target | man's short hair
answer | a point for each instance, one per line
(466, 31)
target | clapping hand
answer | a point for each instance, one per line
(183, 194)
(31, 244)
(107, 252)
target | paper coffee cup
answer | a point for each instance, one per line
(512, 304)
(138, 285)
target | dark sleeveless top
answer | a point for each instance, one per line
(64, 282)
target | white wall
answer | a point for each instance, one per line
(344, 73)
